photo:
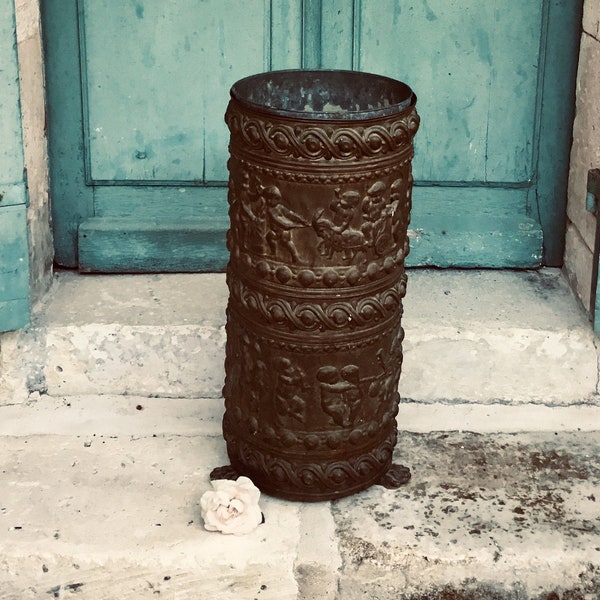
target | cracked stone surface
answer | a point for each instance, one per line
(110, 414)
(504, 516)
(485, 517)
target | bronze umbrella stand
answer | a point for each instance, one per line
(319, 204)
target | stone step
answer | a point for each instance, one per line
(484, 517)
(473, 339)
(110, 411)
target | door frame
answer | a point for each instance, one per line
(73, 197)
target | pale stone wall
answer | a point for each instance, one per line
(585, 155)
(31, 74)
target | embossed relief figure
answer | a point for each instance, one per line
(254, 376)
(385, 385)
(336, 234)
(248, 214)
(377, 218)
(262, 222)
(379, 215)
(265, 225)
(281, 221)
(397, 205)
(340, 393)
(246, 370)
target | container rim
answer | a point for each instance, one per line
(259, 92)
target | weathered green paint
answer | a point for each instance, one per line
(337, 34)
(474, 67)
(14, 268)
(12, 194)
(446, 231)
(14, 253)
(113, 245)
(555, 126)
(71, 198)
(592, 205)
(168, 68)
(116, 240)
(155, 82)
(596, 297)
(156, 202)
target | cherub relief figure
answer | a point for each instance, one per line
(340, 393)
(260, 219)
(383, 385)
(281, 220)
(249, 210)
(377, 218)
(396, 207)
(254, 375)
(374, 202)
(335, 233)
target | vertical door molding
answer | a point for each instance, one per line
(72, 199)
(559, 52)
(312, 27)
(338, 34)
(14, 248)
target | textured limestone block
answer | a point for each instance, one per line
(591, 17)
(585, 152)
(579, 264)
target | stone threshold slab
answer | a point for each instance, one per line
(502, 516)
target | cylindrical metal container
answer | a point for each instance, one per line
(319, 202)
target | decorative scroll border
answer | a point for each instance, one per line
(277, 137)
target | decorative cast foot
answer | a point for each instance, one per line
(225, 472)
(396, 476)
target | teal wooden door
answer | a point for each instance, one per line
(14, 254)
(137, 92)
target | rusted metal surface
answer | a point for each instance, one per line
(320, 195)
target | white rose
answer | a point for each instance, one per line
(231, 507)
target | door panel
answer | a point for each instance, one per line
(473, 226)
(157, 75)
(14, 252)
(474, 66)
(154, 81)
(117, 240)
